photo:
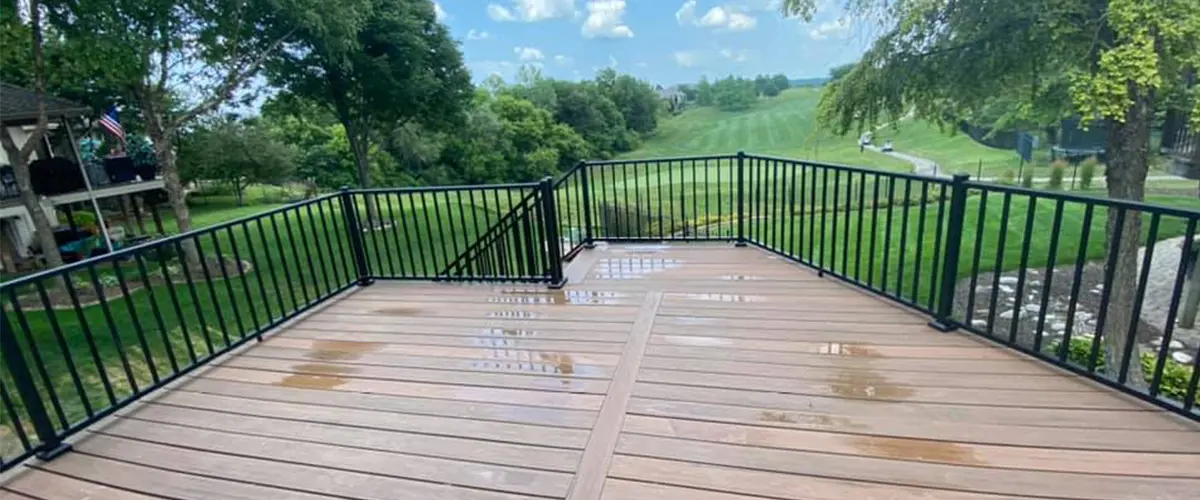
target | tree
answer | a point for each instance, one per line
(508, 139)
(238, 154)
(397, 65)
(943, 60)
(704, 92)
(734, 94)
(689, 91)
(636, 99)
(20, 157)
(584, 108)
(182, 59)
(781, 82)
(838, 72)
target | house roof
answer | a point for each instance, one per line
(19, 104)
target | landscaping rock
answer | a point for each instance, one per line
(1182, 357)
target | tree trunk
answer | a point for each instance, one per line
(176, 197)
(43, 231)
(1128, 153)
(360, 145)
(20, 157)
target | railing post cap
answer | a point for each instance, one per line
(582, 163)
(344, 188)
(961, 177)
(741, 152)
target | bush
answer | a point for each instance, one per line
(1087, 171)
(1027, 179)
(1007, 177)
(623, 221)
(1057, 170)
(1175, 378)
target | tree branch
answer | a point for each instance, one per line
(235, 76)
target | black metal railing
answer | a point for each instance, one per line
(1032, 270)
(84, 340)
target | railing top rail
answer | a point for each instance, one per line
(849, 168)
(660, 159)
(1082, 198)
(125, 252)
(439, 189)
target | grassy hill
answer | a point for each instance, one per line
(783, 126)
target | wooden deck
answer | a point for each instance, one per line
(684, 372)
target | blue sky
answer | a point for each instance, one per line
(664, 41)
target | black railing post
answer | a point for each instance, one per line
(589, 240)
(51, 445)
(553, 243)
(355, 232)
(741, 199)
(954, 235)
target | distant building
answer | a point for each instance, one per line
(674, 97)
(54, 169)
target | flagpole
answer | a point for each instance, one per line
(88, 184)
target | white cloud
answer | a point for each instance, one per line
(563, 59)
(612, 61)
(604, 20)
(739, 55)
(499, 13)
(830, 29)
(503, 69)
(478, 35)
(722, 18)
(532, 11)
(528, 54)
(686, 13)
(440, 13)
(741, 22)
(641, 64)
(687, 58)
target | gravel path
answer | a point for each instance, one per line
(1056, 300)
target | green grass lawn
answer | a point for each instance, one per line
(954, 152)
(780, 126)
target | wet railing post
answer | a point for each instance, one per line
(553, 244)
(355, 232)
(585, 181)
(741, 198)
(51, 445)
(942, 320)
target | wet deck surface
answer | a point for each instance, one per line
(686, 372)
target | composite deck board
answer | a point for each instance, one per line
(699, 372)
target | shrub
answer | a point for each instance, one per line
(1007, 177)
(1087, 171)
(1027, 179)
(1175, 378)
(1057, 170)
(624, 221)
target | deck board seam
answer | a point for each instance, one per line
(592, 471)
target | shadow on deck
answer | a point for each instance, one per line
(693, 372)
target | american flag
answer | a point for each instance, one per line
(110, 123)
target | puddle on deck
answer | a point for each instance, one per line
(915, 449)
(340, 350)
(317, 376)
(723, 297)
(556, 297)
(632, 268)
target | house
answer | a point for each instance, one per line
(674, 97)
(55, 172)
